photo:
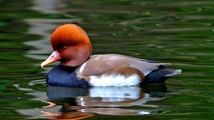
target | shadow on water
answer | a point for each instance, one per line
(178, 32)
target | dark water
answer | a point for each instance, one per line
(177, 32)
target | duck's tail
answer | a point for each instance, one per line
(160, 75)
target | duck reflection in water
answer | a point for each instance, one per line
(84, 102)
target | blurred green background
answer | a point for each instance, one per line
(177, 32)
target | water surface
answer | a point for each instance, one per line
(177, 32)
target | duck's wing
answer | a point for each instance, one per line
(100, 64)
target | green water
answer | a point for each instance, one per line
(177, 32)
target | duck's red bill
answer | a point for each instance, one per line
(55, 56)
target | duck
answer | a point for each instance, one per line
(78, 68)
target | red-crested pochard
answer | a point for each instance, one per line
(78, 68)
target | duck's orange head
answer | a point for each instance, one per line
(71, 46)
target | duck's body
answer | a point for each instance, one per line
(73, 48)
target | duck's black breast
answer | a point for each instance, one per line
(62, 75)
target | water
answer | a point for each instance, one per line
(178, 32)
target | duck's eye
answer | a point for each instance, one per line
(65, 46)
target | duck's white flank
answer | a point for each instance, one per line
(115, 80)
